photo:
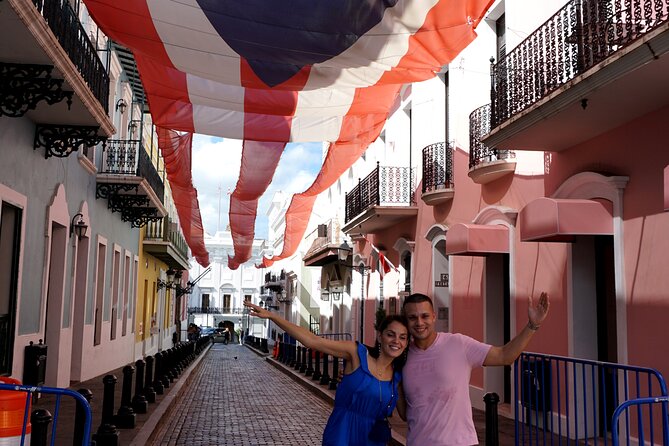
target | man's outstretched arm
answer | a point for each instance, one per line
(506, 354)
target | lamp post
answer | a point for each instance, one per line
(343, 253)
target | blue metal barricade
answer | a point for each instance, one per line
(560, 400)
(641, 428)
(59, 393)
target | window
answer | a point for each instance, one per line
(226, 303)
(205, 302)
(99, 291)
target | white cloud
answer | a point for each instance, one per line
(216, 164)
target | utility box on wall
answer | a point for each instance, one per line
(34, 364)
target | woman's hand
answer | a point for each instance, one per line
(257, 311)
(537, 313)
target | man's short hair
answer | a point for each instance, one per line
(416, 298)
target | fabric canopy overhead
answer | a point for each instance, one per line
(272, 72)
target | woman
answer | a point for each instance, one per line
(367, 393)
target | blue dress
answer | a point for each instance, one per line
(360, 400)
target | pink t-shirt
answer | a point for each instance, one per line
(436, 386)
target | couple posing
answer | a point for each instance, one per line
(427, 380)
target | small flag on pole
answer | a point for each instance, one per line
(385, 265)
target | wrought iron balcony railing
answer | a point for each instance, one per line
(384, 186)
(272, 278)
(579, 36)
(127, 157)
(216, 310)
(479, 125)
(168, 231)
(437, 167)
(67, 28)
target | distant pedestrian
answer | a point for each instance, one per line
(367, 393)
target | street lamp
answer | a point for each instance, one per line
(79, 227)
(343, 252)
(169, 283)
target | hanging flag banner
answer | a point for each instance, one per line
(277, 72)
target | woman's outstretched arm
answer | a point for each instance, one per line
(340, 349)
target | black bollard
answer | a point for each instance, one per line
(334, 379)
(139, 402)
(164, 364)
(40, 420)
(149, 392)
(310, 363)
(125, 417)
(80, 418)
(325, 378)
(107, 434)
(491, 422)
(170, 372)
(158, 383)
(317, 371)
(295, 361)
(303, 360)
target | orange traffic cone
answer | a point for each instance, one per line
(12, 410)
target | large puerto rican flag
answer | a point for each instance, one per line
(275, 71)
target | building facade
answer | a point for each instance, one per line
(558, 185)
(76, 186)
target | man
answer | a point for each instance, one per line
(435, 381)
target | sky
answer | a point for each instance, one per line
(216, 163)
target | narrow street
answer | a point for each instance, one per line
(236, 398)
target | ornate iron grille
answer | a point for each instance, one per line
(120, 157)
(71, 35)
(479, 125)
(124, 157)
(148, 171)
(580, 35)
(437, 167)
(384, 186)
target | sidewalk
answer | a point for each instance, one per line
(145, 424)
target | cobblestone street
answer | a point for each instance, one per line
(236, 398)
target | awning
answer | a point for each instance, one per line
(475, 240)
(559, 220)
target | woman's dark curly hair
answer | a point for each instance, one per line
(398, 362)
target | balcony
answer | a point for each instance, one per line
(591, 67)
(164, 240)
(275, 282)
(325, 247)
(129, 180)
(381, 200)
(438, 184)
(50, 69)
(486, 164)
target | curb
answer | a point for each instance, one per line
(150, 427)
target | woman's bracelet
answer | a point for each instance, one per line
(533, 327)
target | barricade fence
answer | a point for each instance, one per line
(21, 426)
(643, 436)
(561, 400)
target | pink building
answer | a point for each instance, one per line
(560, 185)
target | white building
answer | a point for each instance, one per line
(219, 292)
